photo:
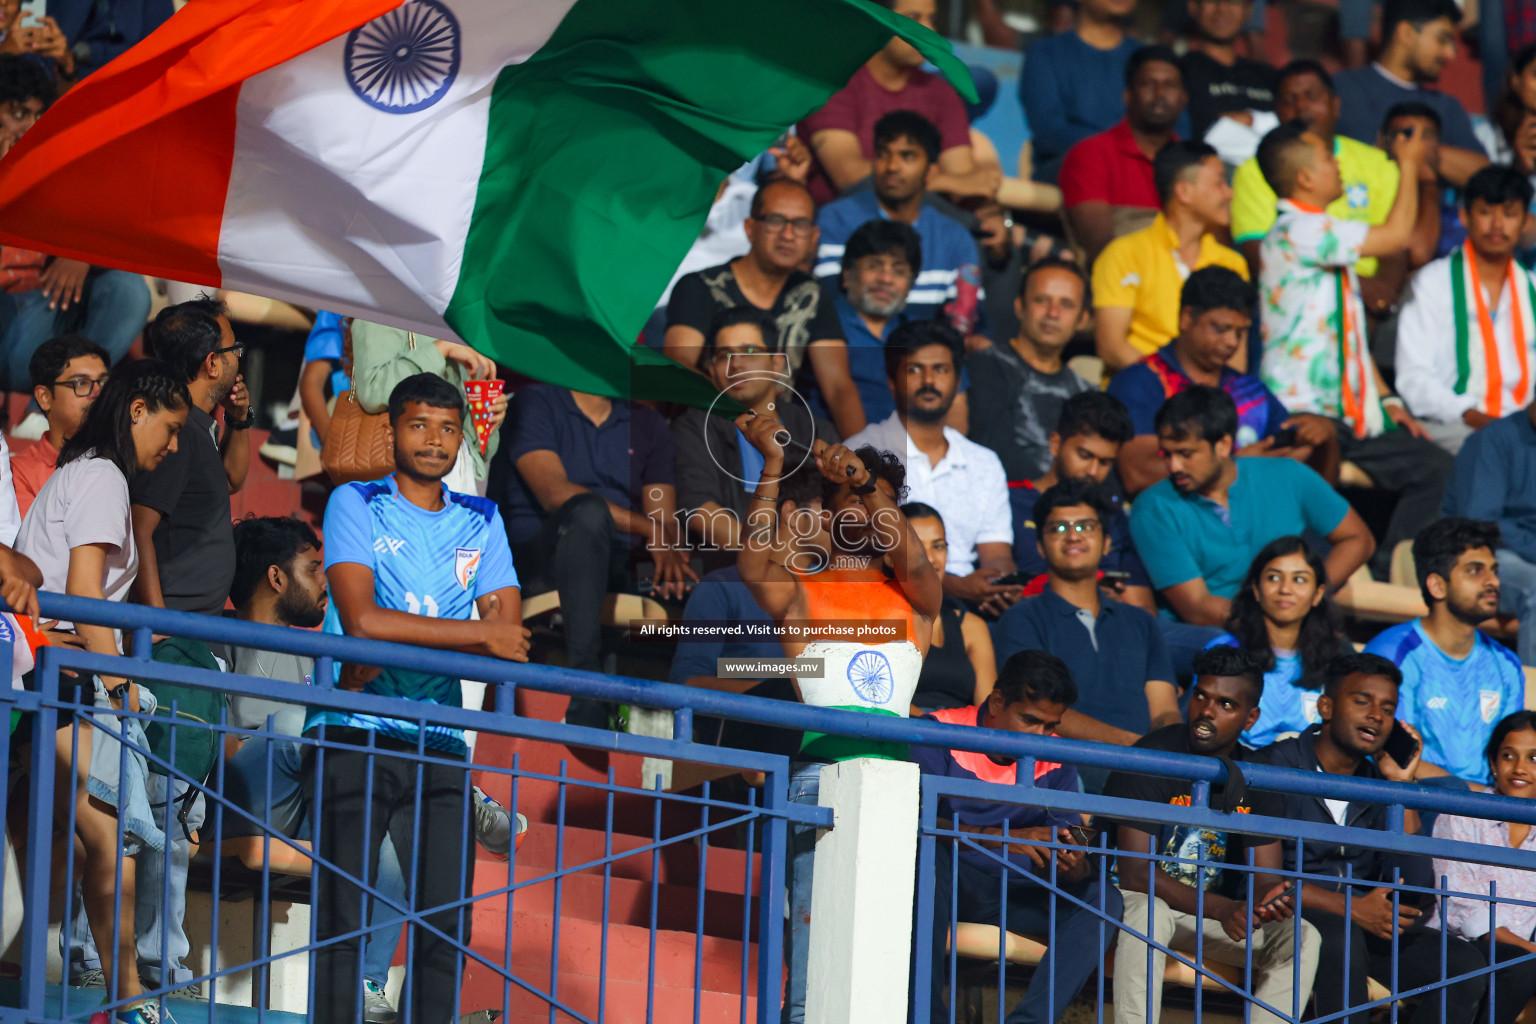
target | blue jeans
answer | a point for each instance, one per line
(116, 305)
(1517, 597)
(1184, 641)
(804, 788)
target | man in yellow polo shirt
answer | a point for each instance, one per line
(1137, 278)
(1305, 93)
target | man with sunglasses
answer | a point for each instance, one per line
(181, 511)
(68, 374)
(771, 277)
(1114, 651)
(717, 470)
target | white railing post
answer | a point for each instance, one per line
(861, 900)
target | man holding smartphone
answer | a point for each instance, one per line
(1162, 896)
(1033, 692)
(1358, 705)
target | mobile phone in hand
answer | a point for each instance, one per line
(1082, 835)
(1285, 437)
(1400, 746)
(1279, 897)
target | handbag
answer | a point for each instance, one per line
(359, 445)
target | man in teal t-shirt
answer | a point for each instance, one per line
(1198, 531)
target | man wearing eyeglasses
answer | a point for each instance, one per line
(67, 376)
(906, 161)
(181, 511)
(1114, 651)
(772, 277)
(717, 470)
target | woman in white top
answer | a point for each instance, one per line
(79, 533)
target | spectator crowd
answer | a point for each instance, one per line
(1128, 443)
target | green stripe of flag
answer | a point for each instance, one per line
(605, 151)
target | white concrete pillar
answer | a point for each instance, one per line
(861, 917)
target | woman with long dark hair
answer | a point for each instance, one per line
(1283, 617)
(79, 532)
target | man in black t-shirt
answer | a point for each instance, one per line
(1224, 702)
(783, 233)
(182, 523)
(1219, 82)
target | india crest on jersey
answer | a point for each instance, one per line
(466, 563)
(1488, 704)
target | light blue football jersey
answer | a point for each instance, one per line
(426, 563)
(1453, 702)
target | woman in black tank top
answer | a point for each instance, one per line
(960, 668)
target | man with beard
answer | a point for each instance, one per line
(873, 569)
(1162, 900)
(906, 160)
(407, 561)
(1364, 934)
(879, 264)
(1107, 184)
(782, 231)
(181, 514)
(1458, 385)
(1017, 389)
(1457, 682)
(944, 469)
(1199, 530)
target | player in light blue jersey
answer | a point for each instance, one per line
(407, 561)
(1457, 681)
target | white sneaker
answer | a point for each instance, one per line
(493, 824)
(32, 426)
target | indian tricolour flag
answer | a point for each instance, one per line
(520, 174)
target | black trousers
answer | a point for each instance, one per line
(1414, 468)
(426, 821)
(1418, 963)
(576, 552)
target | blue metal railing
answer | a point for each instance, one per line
(766, 821)
(940, 845)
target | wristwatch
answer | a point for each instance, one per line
(245, 424)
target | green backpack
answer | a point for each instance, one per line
(198, 747)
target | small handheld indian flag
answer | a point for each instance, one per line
(523, 175)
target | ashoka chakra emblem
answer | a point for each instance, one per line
(869, 673)
(405, 60)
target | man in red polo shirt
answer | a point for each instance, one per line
(1106, 180)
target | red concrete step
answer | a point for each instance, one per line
(679, 862)
(627, 971)
(581, 897)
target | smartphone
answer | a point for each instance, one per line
(1082, 835)
(1013, 579)
(32, 12)
(1285, 437)
(1283, 894)
(1114, 576)
(1400, 746)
